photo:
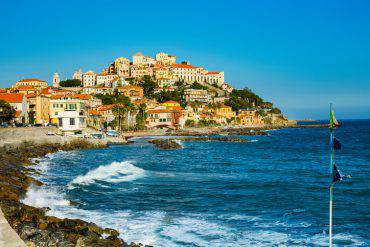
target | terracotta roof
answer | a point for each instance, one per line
(158, 111)
(105, 107)
(12, 97)
(183, 66)
(170, 102)
(26, 87)
(125, 87)
(138, 54)
(213, 73)
(3, 90)
(89, 72)
(31, 79)
(17, 113)
(30, 95)
(93, 112)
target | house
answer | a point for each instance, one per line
(249, 117)
(132, 91)
(89, 79)
(19, 103)
(38, 106)
(106, 113)
(106, 79)
(201, 95)
(161, 117)
(34, 82)
(225, 111)
(68, 112)
(165, 59)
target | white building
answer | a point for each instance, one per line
(199, 95)
(68, 113)
(89, 79)
(139, 58)
(77, 75)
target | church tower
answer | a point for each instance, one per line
(56, 80)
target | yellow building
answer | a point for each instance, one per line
(249, 117)
(165, 59)
(225, 111)
(34, 82)
(39, 105)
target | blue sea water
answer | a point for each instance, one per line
(269, 192)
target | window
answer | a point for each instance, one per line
(71, 121)
(60, 121)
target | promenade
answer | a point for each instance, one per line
(8, 237)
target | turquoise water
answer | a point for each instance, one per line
(269, 192)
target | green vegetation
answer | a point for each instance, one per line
(197, 85)
(189, 123)
(70, 83)
(116, 98)
(31, 117)
(149, 85)
(245, 98)
(140, 117)
(6, 111)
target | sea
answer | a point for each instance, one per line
(272, 191)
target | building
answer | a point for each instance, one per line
(38, 106)
(97, 90)
(56, 80)
(165, 59)
(120, 67)
(162, 72)
(132, 91)
(89, 79)
(161, 117)
(215, 78)
(106, 113)
(249, 117)
(68, 112)
(200, 95)
(139, 70)
(25, 89)
(225, 111)
(188, 73)
(19, 103)
(37, 83)
(106, 79)
(226, 87)
(78, 74)
(140, 59)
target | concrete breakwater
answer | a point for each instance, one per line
(32, 224)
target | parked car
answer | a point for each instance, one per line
(52, 124)
(4, 125)
(37, 125)
(18, 125)
(112, 133)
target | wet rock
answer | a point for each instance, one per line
(166, 144)
(214, 139)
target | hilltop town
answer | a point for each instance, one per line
(143, 94)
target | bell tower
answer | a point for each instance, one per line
(56, 80)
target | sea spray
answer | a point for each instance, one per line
(115, 172)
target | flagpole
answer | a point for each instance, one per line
(331, 177)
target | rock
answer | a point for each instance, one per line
(166, 144)
(215, 139)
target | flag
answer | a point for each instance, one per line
(333, 121)
(336, 144)
(336, 174)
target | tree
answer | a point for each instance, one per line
(197, 85)
(71, 83)
(31, 117)
(7, 112)
(245, 98)
(141, 116)
(148, 85)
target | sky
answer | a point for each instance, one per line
(300, 55)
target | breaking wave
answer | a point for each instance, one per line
(116, 172)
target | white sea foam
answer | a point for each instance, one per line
(179, 142)
(116, 172)
(45, 197)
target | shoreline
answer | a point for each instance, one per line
(31, 223)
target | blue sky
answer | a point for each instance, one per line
(301, 55)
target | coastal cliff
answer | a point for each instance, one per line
(32, 224)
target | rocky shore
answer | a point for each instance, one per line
(32, 224)
(173, 143)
